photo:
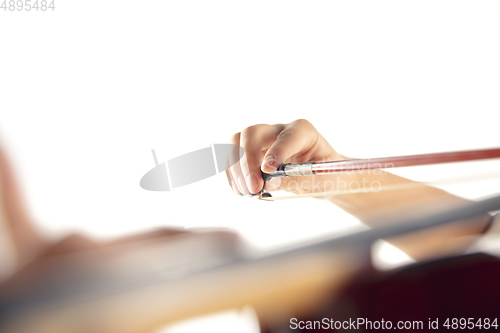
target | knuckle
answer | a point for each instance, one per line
(301, 122)
(250, 131)
(235, 139)
(287, 134)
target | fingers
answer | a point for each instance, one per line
(232, 181)
(293, 139)
(234, 155)
(69, 244)
(265, 148)
(236, 175)
(245, 173)
(255, 140)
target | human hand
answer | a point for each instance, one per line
(268, 146)
(77, 256)
(78, 282)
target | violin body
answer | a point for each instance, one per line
(460, 292)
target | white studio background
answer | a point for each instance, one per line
(88, 89)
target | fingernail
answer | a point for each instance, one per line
(268, 165)
(252, 183)
(273, 184)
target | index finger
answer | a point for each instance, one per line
(296, 137)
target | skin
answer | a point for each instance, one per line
(267, 146)
(26, 240)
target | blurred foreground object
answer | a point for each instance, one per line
(138, 287)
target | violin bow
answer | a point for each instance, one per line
(362, 165)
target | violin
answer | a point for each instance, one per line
(140, 286)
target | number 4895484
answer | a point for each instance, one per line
(470, 323)
(27, 5)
